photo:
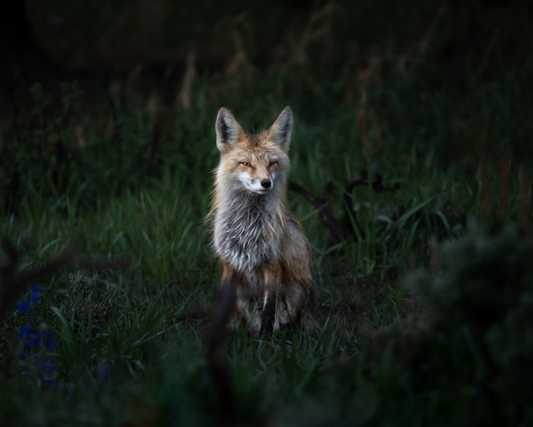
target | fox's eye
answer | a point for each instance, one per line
(245, 164)
(273, 163)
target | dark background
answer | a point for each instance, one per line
(460, 69)
(107, 114)
(52, 40)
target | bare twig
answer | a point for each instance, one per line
(362, 179)
(424, 43)
(340, 230)
(10, 289)
(488, 50)
(221, 313)
(184, 95)
(323, 206)
(223, 310)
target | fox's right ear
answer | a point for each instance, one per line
(228, 130)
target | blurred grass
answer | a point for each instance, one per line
(130, 172)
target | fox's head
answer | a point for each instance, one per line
(257, 163)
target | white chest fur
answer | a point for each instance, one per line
(240, 233)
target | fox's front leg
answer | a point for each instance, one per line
(227, 273)
(269, 314)
(272, 279)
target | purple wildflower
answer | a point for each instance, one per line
(34, 340)
(35, 293)
(23, 307)
(51, 345)
(25, 330)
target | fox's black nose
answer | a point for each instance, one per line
(266, 183)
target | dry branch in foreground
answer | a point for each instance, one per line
(222, 312)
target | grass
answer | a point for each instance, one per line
(125, 355)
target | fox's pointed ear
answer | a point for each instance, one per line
(228, 130)
(280, 132)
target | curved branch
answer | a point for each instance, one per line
(323, 206)
(340, 230)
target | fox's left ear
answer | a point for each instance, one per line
(229, 131)
(280, 132)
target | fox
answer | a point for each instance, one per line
(259, 243)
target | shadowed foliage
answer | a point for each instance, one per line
(107, 131)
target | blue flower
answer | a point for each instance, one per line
(49, 367)
(31, 357)
(51, 345)
(35, 293)
(34, 340)
(25, 330)
(24, 307)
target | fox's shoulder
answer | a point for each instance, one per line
(293, 222)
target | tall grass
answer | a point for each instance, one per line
(129, 186)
